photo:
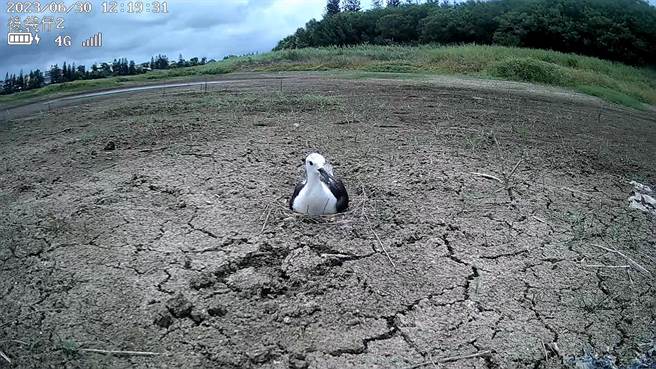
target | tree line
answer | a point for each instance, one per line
(70, 72)
(13, 83)
(620, 30)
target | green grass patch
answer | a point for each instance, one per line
(531, 70)
(611, 95)
(62, 89)
(391, 68)
(611, 81)
(69, 347)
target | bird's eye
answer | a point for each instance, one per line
(311, 163)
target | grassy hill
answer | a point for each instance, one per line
(611, 81)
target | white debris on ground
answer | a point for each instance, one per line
(642, 198)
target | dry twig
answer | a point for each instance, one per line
(266, 219)
(430, 356)
(488, 176)
(380, 242)
(374, 232)
(154, 149)
(604, 266)
(638, 266)
(515, 168)
(2, 355)
(456, 358)
(121, 353)
(544, 350)
(452, 358)
(576, 191)
(507, 177)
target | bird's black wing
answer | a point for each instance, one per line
(338, 190)
(297, 190)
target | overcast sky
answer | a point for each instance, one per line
(191, 28)
(199, 28)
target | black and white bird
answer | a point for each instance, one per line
(320, 192)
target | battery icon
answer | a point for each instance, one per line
(15, 38)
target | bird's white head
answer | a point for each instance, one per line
(313, 163)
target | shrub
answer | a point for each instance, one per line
(530, 70)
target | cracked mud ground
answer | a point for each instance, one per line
(179, 241)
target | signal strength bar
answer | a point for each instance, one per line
(93, 41)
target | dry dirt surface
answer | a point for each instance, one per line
(488, 228)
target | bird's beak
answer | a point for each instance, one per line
(325, 174)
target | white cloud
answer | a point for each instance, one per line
(200, 28)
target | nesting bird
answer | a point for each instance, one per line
(320, 192)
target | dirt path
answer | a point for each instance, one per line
(178, 242)
(198, 83)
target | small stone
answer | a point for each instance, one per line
(222, 270)
(179, 306)
(216, 309)
(249, 279)
(198, 315)
(163, 319)
(110, 146)
(261, 356)
(202, 280)
(297, 361)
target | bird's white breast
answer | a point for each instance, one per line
(315, 199)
